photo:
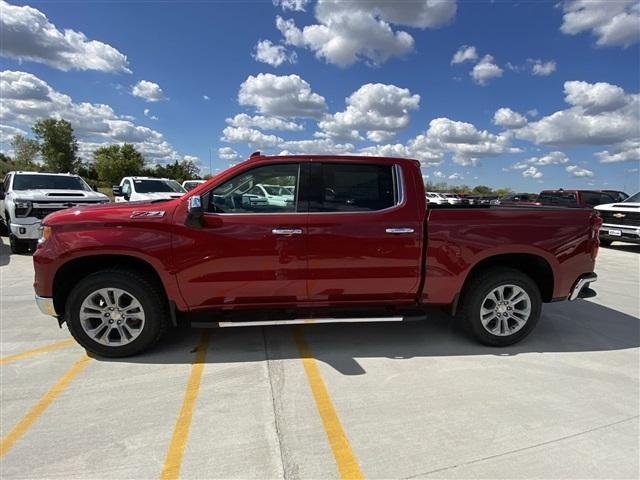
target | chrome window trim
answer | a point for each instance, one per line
(398, 186)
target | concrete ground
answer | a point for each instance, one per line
(411, 400)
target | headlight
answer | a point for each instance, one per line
(23, 207)
(45, 233)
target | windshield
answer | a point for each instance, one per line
(158, 186)
(633, 198)
(24, 181)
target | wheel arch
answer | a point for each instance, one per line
(75, 270)
(534, 266)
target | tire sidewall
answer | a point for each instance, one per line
(148, 298)
(482, 290)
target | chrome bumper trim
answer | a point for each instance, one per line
(45, 304)
(582, 282)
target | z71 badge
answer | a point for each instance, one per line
(148, 214)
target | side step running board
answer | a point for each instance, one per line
(297, 321)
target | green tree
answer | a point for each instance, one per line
(482, 190)
(503, 191)
(58, 145)
(25, 152)
(116, 161)
(179, 171)
(6, 164)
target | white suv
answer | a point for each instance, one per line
(27, 197)
(136, 189)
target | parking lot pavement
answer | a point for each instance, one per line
(410, 400)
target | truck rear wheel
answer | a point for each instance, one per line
(116, 313)
(501, 306)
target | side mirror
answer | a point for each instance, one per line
(117, 191)
(194, 211)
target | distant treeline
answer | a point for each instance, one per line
(54, 148)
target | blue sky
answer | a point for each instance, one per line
(369, 76)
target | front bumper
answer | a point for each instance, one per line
(581, 288)
(627, 233)
(46, 306)
(26, 229)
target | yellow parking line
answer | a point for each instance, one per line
(173, 460)
(23, 425)
(342, 453)
(36, 351)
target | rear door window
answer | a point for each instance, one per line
(346, 187)
(562, 199)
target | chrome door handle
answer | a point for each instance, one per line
(397, 231)
(287, 231)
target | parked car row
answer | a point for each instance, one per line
(27, 197)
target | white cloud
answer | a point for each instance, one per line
(594, 97)
(614, 23)
(255, 139)
(438, 174)
(626, 151)
(600, 114)
(577, 171)
(228, 153)
(542, 69)
(7, 132)
(147, 113)
(26, 99)
(206, 97)
(149, 91)
(397, 150)
(27, 34)
(316, 146)
(465, 53)
(265, 123)
(463, 140)
(274, 55)
(533, 112)
(517, 166)
(455, 176)
(380, 110)
(485, 70)
(532, 172)
(350, 31)
(507, 118)
(551, 158)
(295, 5)
(283, 96)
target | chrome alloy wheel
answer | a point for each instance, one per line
(505, 310)
(112, 317)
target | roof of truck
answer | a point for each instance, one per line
(257, 156)
(19, 172)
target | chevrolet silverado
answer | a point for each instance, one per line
(357, 243)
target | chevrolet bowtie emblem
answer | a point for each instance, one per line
(619, 215)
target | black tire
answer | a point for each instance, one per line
(474, 296)
(604, 242)
(18, 246)
(145, 291)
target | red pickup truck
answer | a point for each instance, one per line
(299, 239)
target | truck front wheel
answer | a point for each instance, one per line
(501, 306)
(116, 313)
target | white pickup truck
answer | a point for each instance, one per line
(135, 189)
(27, 197)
